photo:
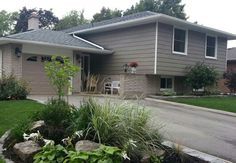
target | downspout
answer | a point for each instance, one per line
(93, 44)
(1, 63)
(156, 46)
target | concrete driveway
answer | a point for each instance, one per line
(205, 131)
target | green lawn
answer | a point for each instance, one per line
(1, 159)
(12, 112)
(219, 103)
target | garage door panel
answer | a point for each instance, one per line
(34, 74)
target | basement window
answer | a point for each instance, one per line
(32, 59)
(166, 83)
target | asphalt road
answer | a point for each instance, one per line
(208, 132)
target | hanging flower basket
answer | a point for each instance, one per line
(133, 66)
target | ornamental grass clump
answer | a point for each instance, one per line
(121, 125)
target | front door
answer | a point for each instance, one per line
(85, 70)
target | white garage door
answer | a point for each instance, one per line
(33, 72)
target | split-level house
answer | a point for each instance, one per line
(163, 46)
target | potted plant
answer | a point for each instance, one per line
(133, 66)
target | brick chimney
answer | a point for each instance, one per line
(33, 22)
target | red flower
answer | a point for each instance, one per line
(133, 64)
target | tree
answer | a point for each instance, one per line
(172, 8)
(72, 19)
(230, 82)
(201, 76)
(105, 14)
(7, 21)
(46, 18)
(60, 70)
(168, 7)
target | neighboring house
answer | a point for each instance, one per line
(162, 45)
(231, 66)
(231, 59)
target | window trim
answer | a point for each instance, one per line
(173, 83)
(186, 41)
(216, 46)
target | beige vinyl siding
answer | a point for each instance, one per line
(174, 64)
(129, 44)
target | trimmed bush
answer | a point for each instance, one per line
(200, 76)
(57, 116)
(12, 89)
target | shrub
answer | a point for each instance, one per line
(230, 77)
(168, 92)
(200, 76)
(51, 154)
(60, 70)
(57, 115)
(118, 125)
(1, 160)
(60, 154)
(12, 89)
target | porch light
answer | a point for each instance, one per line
(125, 67)
(18, 52)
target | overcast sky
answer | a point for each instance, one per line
(213, 13)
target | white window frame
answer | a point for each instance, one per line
(216, 46)
(173, 81)
(186, 41)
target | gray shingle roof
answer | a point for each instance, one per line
(51, 37)
(110, 21)
(231, 54)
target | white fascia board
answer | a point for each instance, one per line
(161, 18)
(89, 42)
(98, 51)
(196, 27)
(119, 24)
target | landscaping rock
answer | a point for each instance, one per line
(38, 126)
(5, 137)
(86, 145)
(145, 159)
(26, 150)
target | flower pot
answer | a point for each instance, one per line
(133, 70)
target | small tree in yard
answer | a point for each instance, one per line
(230, 82)
(60, 70)
(201, 76)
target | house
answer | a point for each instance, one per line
(231, 66)
(162, 45)
(231, 59)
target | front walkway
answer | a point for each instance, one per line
(198, 129)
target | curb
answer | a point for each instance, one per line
(192, 107)
(202, 157)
